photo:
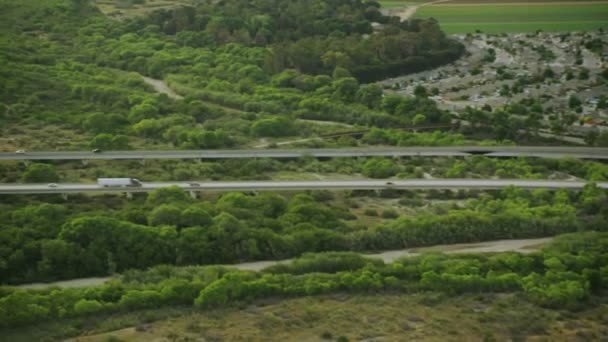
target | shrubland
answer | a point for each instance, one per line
(100, 236)
(245, 71)
(568, 274)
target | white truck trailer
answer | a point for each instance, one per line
(118, 182)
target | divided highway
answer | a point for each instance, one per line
(473, 184)
(449, 151)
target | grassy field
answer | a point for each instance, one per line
(128, 8)
(430, 317)
(518, 17)
(397, 3)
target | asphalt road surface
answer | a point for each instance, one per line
(490, 151)
(439, 184)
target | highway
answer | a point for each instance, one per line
(439, 184)
(449, 151)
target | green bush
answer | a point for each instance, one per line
(370, 212)
(40, 173)
(380, 168)
(389, 214)
(84, 307)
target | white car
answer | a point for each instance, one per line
(20, 151)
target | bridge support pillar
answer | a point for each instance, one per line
(193, 194)
(198, 160)
(64, 196)
(26, 162)
(129, 195)
(84, 162)
(142, 162)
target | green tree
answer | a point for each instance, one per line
(274, 127)
(165, 214)
(102, 141)
(344, 89)
(195, 216)
(135, 299)
(574, 101)
(170, 195)
(370, 95)
(591, 137)
(502, 125)
(419, 119)
(57, 258)
(420, 91)
(144, 110)
(341, 73)
(85, 307)
(106, 141)
(380, 168)
(104, 123)
(602, 139)
(120, 142)
(40, 173)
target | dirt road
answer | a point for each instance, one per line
(162, 87)
(289, 142)
(521, 246)
(407, 12)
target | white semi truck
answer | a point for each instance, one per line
(118, 182)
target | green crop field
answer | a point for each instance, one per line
(397, 3)
(518, 17)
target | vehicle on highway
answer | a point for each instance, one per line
(52, 185)
(96, 150)
(194, 184)
(118, 182)
(20, 151)
(390, 183)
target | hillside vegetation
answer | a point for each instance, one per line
(102, 236)
(189, 74)
(568, 275)
(247, 70)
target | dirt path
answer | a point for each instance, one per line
(407, 12)
(327, 123)
(521, 246)
(82, 282)
(161, 87)
(267, 144)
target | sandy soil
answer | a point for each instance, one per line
(162, 87)
(82, 282)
